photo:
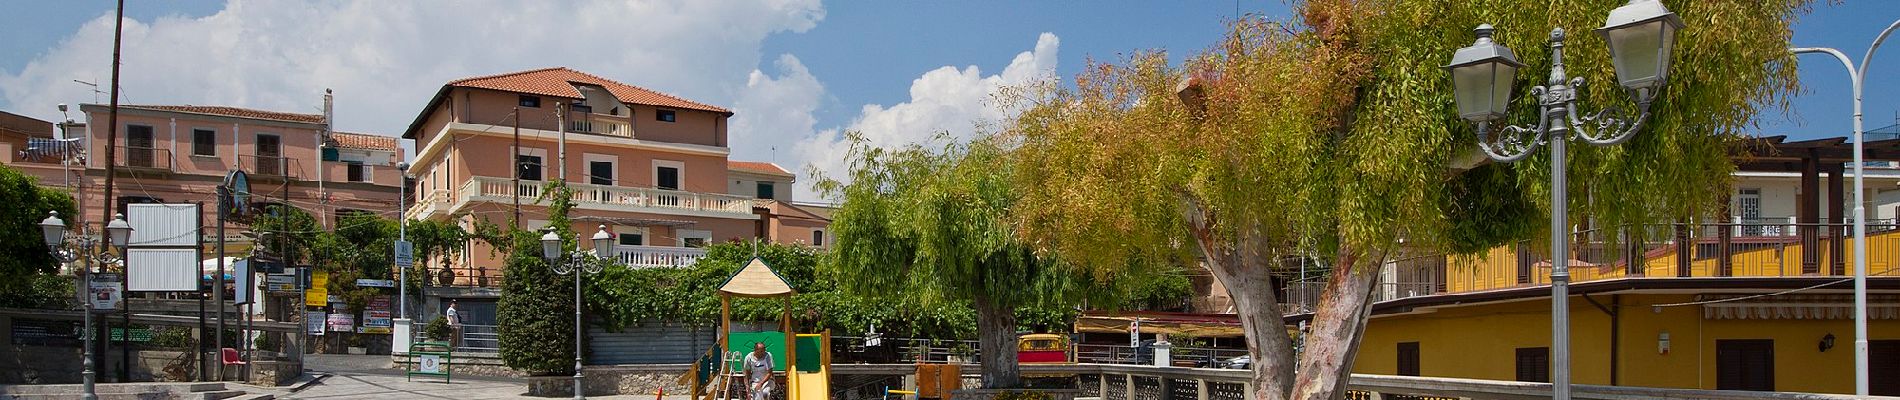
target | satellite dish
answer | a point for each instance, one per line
(238, 189)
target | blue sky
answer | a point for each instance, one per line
(795, 71)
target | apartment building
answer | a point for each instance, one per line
(1756, 299)
(651, 167)
(181, 153)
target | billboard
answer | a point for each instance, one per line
(162, 255)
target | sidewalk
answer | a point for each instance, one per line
(370, 378)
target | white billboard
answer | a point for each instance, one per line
(161, 270)
(162, 255)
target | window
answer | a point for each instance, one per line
(528, 167)
(665, 116)
(694, 238)
(632, 236)
(600, 172)
(1533, 364)
(530, 101)
(818, 238)
(765, 190)
(204, 142)
(1883, 366)
(140, 147)
(1408, 359)
(666, 174)
(1745, 364)
(358, 172)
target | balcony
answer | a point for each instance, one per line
(600, 124)
(1771, 248)
(615, 198)
(427, 204)
(658, 256)
(143, 158)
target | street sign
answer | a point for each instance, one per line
(313, 322)
(319, 293)
(405, 254)
(386, 283)
(278, 283)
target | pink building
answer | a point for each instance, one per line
(651, 167)
(180, 154)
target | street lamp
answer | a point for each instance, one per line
(118, 233)
(1641, 36)
(577, 263)
(1857, 77)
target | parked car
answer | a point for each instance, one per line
(1242, 362)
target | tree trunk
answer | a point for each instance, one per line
(1238, 264)
(996, 328)
(1338, 324)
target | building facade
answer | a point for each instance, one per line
(650, 167)
(181, 154)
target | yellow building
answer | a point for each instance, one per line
(1731, 303)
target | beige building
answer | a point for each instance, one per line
(653, 168)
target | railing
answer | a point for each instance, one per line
(143, 157)
(427, 204)
(271, 166)
(617, 197)
(479, 339)
(658, 256)
(1774, 249)
(584, 122)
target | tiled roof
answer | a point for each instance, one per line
(235, 112)
(558, 82)
(364, 141)
(756, 166)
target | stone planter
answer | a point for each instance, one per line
(987, 394)
(359, 350)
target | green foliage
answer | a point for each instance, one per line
(20, 236)
(534, 315)
(437, 329)
(38, 291)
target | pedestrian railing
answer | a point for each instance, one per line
(479, 339)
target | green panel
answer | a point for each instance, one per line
(330, 154)
(810, 354)
(774, 343)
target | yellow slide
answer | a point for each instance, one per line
(806, 380)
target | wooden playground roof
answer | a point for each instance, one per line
(756, 280)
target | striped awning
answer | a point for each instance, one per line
(1796, 306)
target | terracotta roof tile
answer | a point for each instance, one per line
(364, 141)
(757, 166)
(558, 82)
(235, 112)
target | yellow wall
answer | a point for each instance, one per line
(1497, 268)
(1480, 341)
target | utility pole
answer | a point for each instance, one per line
(516, 160)
(112, 139)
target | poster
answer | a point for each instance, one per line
(319, 293)
(103, 291)
(342, 322)
(376, 316)
(429, 364)
(313, 322)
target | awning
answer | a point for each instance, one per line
(1173, 324)
(1796, 306)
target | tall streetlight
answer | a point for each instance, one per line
(577, 264)
(1641, 36)
(118, 232)
(1856, 76)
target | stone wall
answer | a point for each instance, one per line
(641, 380)
(23, 364)
(467, 364)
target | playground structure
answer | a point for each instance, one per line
(804, 358)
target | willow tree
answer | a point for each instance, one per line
(1334, 137)
(934, 225)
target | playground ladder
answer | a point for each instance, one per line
(727, 374)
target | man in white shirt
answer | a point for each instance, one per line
(758, 370)
(455, 325)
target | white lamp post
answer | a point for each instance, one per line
(1641, 37)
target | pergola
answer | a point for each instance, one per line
(1811, 159)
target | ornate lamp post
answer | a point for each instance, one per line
(578, 264)
(118, 233)
(1641, 36)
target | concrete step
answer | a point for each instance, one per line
(113, 388)
(215, 395)
(78, 396)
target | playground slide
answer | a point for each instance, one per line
(814, 385)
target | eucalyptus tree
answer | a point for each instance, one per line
(1335, 136)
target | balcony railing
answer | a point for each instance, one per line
(143, 157)
(583, 122)
(617, 197)
(427, 204)
(271, 166)
(658, 256)
(1773, 249)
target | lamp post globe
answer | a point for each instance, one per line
(551, 245)
(53, 229)
(1481, 77)
(1641, 36)
(119, 231)
(603, 242)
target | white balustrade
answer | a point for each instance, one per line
(624, 198)
(658, 256)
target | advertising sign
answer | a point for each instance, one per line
(429, 364)
(162, 254)
(313, 322)
(342, 322)
(319, 294)
(376, 316)
(103, 291)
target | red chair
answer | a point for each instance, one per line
(230, 357)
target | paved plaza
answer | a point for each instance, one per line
(368, 377)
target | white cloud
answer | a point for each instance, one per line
(945, 100)
(385, 58)
(773, 113)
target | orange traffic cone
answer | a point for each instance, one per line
(659, 395)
